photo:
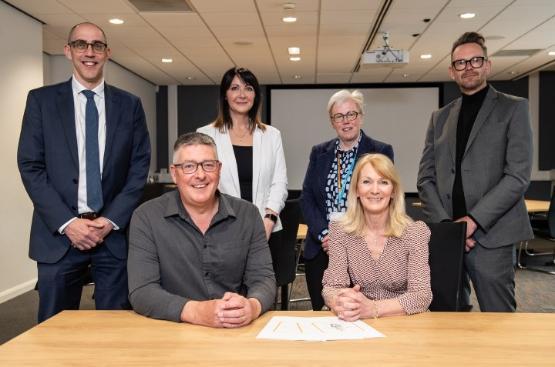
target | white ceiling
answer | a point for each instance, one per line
(332, 34)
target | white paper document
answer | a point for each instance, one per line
(316, 329)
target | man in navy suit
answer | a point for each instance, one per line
(83, 155)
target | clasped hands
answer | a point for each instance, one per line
(471, 227)
(86, 234)
(351, 305)
(230, 311)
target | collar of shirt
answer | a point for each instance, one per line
(78, 87)
(354, 148)
(175, 208)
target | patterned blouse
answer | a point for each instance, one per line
(401, 271)
(336, 196)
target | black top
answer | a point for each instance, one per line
(469, 110)
(243, 156)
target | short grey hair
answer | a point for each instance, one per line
(193, 138)
(343, 96)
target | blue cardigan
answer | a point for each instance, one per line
(313, 195)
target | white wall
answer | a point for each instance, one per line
(21, 70)
(58, 69)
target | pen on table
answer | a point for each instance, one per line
(354, 323)
(278, 325)
(316, 326)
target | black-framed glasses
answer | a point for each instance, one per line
(476, 62)
(82, 46)
(349, 116)
(189, 167)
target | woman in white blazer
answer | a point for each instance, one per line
(253, 164)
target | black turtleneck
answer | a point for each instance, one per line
(470, 107)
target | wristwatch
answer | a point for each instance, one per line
(271, 217)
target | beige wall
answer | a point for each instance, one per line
(21, 70)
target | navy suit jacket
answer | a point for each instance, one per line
(49, 166)
(313, 198)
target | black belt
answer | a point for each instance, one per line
(89, 216)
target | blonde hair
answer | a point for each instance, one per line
(343, 96)
(354, 221)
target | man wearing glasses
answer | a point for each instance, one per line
(475, 168)
(197, 255)
(83, 155)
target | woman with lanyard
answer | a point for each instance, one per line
(327, 179)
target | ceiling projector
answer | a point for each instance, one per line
(385, 56)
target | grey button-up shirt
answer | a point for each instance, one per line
(171, 262)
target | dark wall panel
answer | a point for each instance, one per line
(546, 129)
(162, 128)
(196, 107)
(517, 88)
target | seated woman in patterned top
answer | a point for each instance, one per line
(378, 256)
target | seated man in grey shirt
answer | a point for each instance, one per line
(197, 255)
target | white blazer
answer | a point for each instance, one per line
(269, 173)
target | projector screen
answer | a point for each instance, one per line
(398, 116)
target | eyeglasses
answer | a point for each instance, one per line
(82, 46)
(349, 116)
(476, 62)
(189, 167)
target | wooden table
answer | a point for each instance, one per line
(301, 232)
(533, 206)
(537, 206)
(123, 338)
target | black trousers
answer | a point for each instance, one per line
(314, 271)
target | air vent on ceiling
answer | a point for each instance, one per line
(516, 53)
(163, 6)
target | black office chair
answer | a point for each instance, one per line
(543, 225)
(446, 264)
(283, 250)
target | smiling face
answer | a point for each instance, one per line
(374, 191)
(470, 80)
(347, 131)
(88, 65)
(196, 189)
(240, 96)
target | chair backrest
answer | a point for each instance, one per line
(446, 264)
(283, 250)
(551, 215)
(538, 190)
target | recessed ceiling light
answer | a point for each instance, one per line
(189, 77)
(242, 43)
(405, 75)
(297, 76)
(294, 50)
(116, 21)
(494, 38)
(167, 61)
(551, 53)
(467, 15)
(426, 56)
(295, 58)
(512, 72)
(289, 13)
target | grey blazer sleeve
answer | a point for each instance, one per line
(516, 170)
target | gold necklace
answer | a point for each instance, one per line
(240, 137)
